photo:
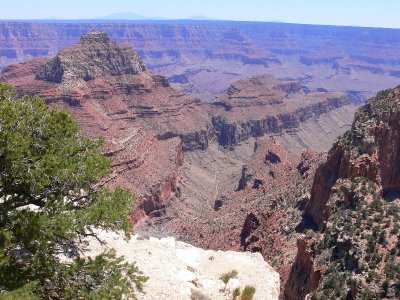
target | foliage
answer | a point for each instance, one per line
(236, 293)
(49, 200)
(248, 293)
(197, 295)
(227, 276)
(358, 250)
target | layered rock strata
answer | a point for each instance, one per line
(264, 105)
(204, 57)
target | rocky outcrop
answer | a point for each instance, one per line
(145, 122)
(273, 174)
(303, 277)
(353, 212)
(370, 149)
(177, 270)
(85, 61)
(264, 105)
(113, 78)
(270, 166)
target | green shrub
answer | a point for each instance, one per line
(248, 293)
(386, 285)
(382, 238)
(395, 229)
(227, 276)
(236, 293)
(197, 295)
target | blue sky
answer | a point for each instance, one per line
(374, 13)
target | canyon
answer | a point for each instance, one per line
(148, 125)
(203, 58)
(239, 171)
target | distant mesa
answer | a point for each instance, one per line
(210, 57)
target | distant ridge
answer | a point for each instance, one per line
(130, 16)
(127, 16)
(202, 18)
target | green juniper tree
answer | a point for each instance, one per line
(49, 201)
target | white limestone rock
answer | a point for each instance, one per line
(176, 269)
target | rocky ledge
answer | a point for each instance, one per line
(179, 271)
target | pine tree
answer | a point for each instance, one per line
(49, 200)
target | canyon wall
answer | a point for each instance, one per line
(147, 123)
(264, 105)
(204, 58)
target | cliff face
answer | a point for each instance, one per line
(354, 206)
(278, 179)
(108, 90)
(265, 105)
(204, 58)
(370, 150)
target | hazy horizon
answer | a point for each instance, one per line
(360, 13)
